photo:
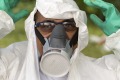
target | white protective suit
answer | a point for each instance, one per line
(19, 61)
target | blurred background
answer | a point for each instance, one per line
(95, 48)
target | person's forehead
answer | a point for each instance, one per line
(40, 17)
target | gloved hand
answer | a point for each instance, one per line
(112, 16)
(7, 6)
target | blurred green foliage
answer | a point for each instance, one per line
(93, 49)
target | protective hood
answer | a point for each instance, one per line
(57, 9)
(66, 9)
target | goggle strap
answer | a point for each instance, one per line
(74, 39)
(39, 36)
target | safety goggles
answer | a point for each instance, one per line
(48, 25)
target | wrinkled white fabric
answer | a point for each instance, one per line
(5, 26)
(114, 45)
(19, 61)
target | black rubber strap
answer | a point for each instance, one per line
(39, 35)
(74, 39)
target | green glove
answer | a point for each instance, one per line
(7, 6)
(112, 16)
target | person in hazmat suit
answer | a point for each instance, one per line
(56, 31)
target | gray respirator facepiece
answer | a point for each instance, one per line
(57, 51)
(55, 61)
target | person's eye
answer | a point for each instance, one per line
(69, 26)
(46, 27)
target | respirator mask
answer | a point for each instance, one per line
(55, 61)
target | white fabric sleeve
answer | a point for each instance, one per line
(2, 70)
(6, 24)
(12, 59)
(113, 42)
